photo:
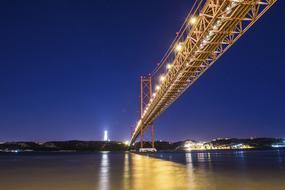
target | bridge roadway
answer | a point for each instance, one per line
(210, 32)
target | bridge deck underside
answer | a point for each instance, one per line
(220, 24)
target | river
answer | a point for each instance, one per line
(215, 170)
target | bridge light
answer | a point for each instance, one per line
(211, 33)
(228, 10)
(235, 2)
(208, 37)
(154, 94)
(179, 47)
(168, 66)
(157, 87)
(162, 78)
(193, 20)
(219, 22)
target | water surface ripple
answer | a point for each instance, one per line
(215, 170)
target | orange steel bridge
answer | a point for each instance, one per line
(210, 29)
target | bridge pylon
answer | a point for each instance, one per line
(145, 96)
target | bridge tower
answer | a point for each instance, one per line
(145, 96)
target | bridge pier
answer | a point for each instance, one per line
(152, 136)
(141, 138)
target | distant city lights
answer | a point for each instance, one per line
(127, 143)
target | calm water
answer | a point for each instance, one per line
(237, 170)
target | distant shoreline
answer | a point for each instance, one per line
(148, 153)
(186, 145)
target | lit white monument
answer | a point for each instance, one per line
(105, 135)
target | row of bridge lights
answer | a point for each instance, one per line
(219, 23)
(179, 47)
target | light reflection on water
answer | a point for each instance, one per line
(126, 174)
(104, 172)
(157, 174)
(237, 170)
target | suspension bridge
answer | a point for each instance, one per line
(210, 29)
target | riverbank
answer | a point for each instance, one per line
(186, 145)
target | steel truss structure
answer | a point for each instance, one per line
(218, 25)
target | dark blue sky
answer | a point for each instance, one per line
(70, 69)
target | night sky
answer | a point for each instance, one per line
(70, 69)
